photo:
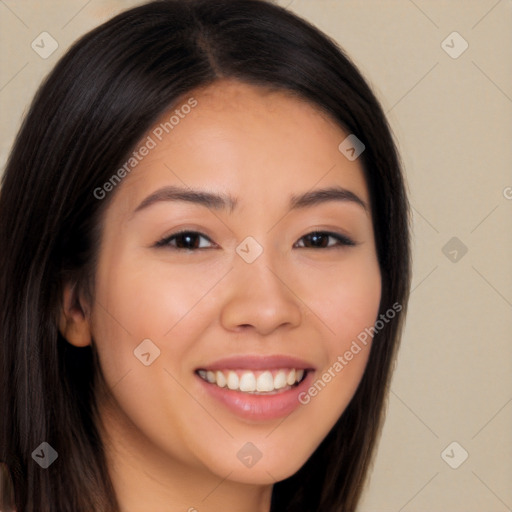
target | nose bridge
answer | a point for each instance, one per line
(263, 275)
(261, 262)
(259, 293)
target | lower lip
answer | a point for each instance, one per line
(259, 407)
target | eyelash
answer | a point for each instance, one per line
(342, 240)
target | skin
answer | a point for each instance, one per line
(171, 446)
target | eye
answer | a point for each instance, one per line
(184, 240)
(192, 240)
(324, 240)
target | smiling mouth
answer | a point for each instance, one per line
(265, 382)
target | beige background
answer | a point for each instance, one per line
(452, 118)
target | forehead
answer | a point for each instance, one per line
(247, 141)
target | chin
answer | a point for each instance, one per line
(263, 466)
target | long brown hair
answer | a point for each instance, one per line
(87, 116)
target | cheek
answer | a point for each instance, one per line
(136, 301)
(150, 298)
(347, 303)
(347, 299)
(352, 306)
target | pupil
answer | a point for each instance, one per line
(318, 239)
(187, 239)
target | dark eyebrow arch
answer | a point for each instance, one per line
(226, 202)
(173, 193)
(323, 195)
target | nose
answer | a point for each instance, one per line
(260, 298)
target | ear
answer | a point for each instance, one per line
(74, 322)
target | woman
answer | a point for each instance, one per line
(204, 269)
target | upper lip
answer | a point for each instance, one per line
(258, 362)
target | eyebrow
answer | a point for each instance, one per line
(219, 201)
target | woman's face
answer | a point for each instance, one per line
(249, 297)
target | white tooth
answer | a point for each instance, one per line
(265, 382)
(290, 379)
(280, 380)
(232, 380)
(299, 375)
(210, 376)
(202, 373)
(221, 380)
(247, 382)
